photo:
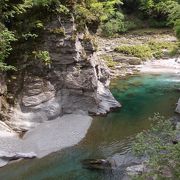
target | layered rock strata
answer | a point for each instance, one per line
(74, 82)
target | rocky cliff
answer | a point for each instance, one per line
(74, 82)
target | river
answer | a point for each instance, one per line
(141, 96)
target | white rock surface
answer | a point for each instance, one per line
(57, 134)
(107, 101)
(46, 138)
(16, 155)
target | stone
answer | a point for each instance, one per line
(79, 79)
(178, 107)
(116, 162)
(74, 100)
(3, 162)
(29, 101)
(37, 91)
(126, 160)
(6, 157)
(107, 101)
(3, 87)
(135, 170)
(24, 121)
(14, 156)
(96, 164)
(5, 130)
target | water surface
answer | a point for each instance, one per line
(141, 96)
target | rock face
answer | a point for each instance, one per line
(74, 82)
(2, 84)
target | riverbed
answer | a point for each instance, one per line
(141, 96)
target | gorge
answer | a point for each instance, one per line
(77, 85)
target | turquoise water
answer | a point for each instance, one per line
(141, 96)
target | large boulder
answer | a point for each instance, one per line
(118, 161)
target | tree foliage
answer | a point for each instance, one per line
(107, 14)
(6, 37)
(91, 11)
(157, 145)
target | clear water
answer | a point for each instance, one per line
(141, 96)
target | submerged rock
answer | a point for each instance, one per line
(118, 161)
(100, 164)
(3, 162)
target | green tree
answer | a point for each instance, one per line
(157, 144)
(95, 11)
(6, 37)
(174, 17)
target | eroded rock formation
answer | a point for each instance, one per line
(75, 81)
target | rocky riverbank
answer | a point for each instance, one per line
(124, 55)
(46, 138)
(164, 46)
(37, 99)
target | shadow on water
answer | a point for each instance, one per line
(141, 96)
